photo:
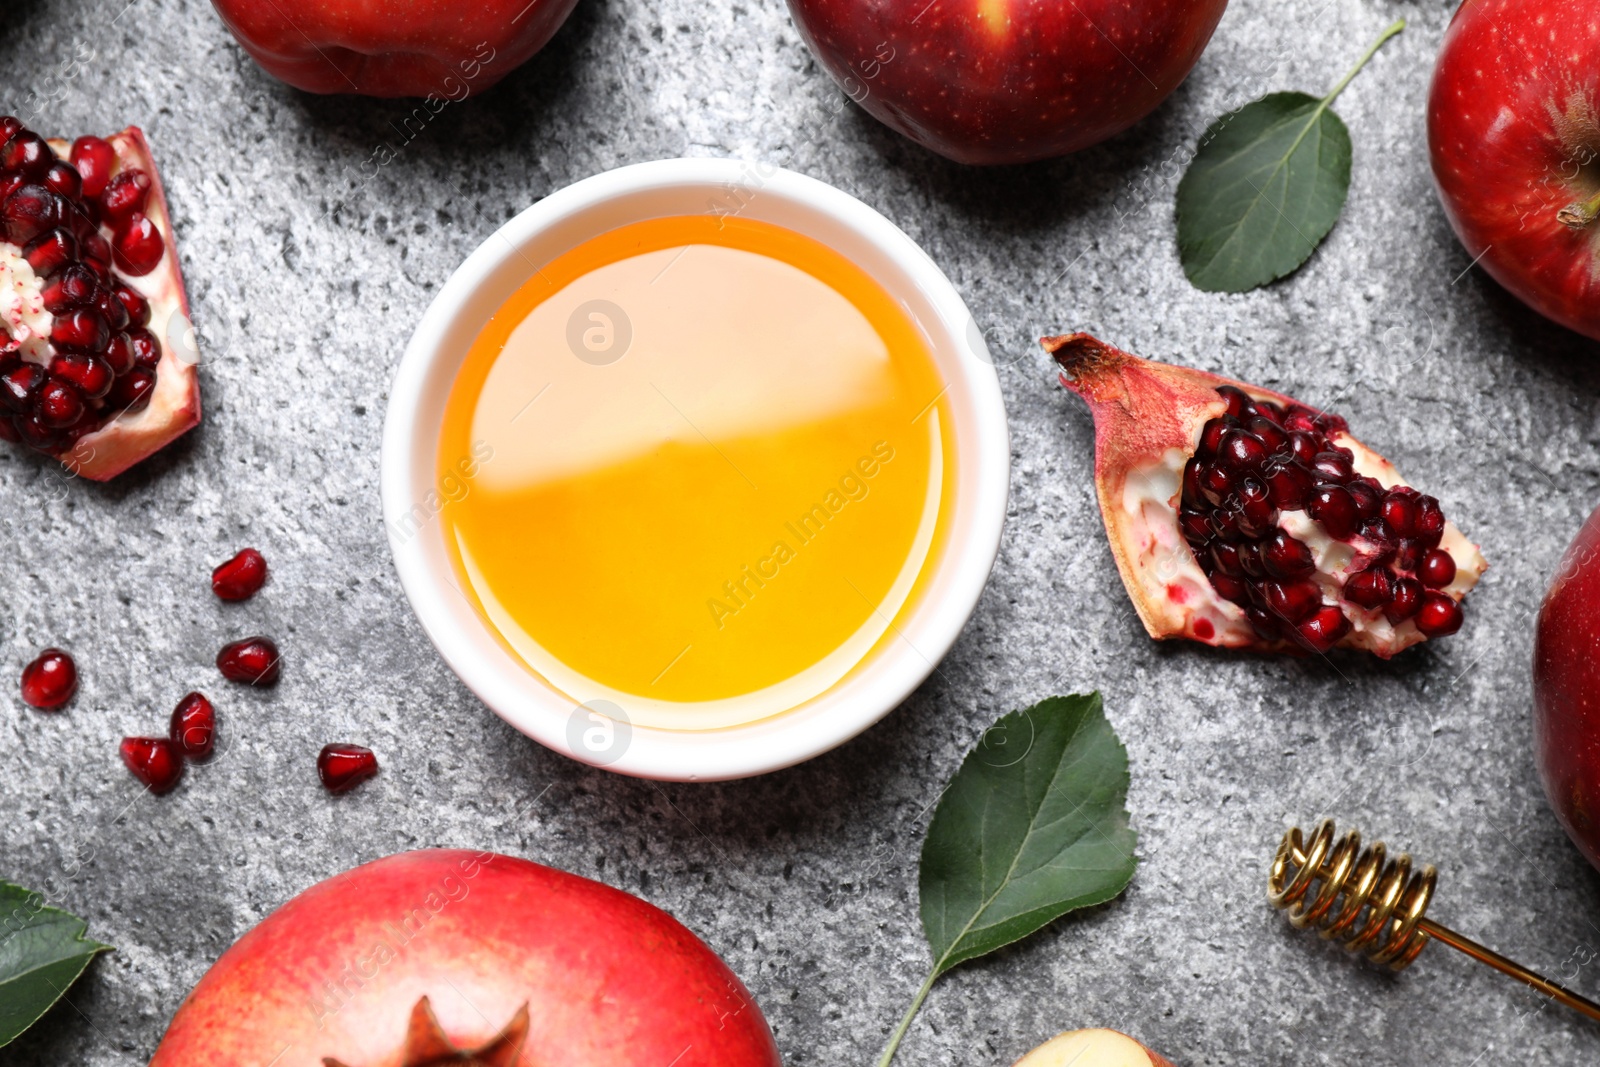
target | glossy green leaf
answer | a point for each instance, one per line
(1265, 188)
(42, 952)
(1032, 827)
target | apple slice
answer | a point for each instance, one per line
(1092, 1048)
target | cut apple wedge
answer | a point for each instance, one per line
(1092, 1048)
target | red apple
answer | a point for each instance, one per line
(1007, 81)
(423, 957)
(1514, 130)
(1566, 691)
(444, 49)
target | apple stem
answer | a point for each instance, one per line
(1399, 25)
(1581, 214)
(905, 1023)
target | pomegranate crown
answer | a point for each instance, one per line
(427, 1045)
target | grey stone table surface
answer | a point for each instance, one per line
(806, 879)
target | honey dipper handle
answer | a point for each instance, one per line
(1487, 955)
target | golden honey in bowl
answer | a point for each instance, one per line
(711, 470)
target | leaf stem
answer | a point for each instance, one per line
(1399, 24)
(905, 1022)
(1581, 214)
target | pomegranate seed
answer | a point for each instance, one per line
(1303, 446)
(1225, 524)
(72, 288)
(155, 761)
(90, 375)
(126, 194)
(146, 349)
(1439, 616)
(112, 310)
(1333, 506)
(1215, 485)
(1257, 515)
(1438, 569)
(1270, 411)
(50, 680)
(29, 153)
(1211, 439)
(241, 577)
(1332, 467)
(194, 726)
(83, 328)
(1270, 433)
(1404, 601)
(1368, 499)
(36, 435)
(343, 767)
(58, 405)
(138, 307)
(1402, 513)
(30, 211)
(10, 183)
(63, 179)
(1324, 629)
(253, 661)
(1264, 623)
(1370, 588)
(1293, 601)
(94, 159)
(1290, 485)
(1284, 557)
(10, 126)
(1430, 524)
(1195, 525)
(1242, 451)
(138, 245)
(119, 354)
(132, 391)
(1238, 403)
(51, 251)
(1230, 588)
(20, 385)
(1226, 558)
(1250, 560)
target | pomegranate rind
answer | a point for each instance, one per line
(1148, 419)
(174, 407)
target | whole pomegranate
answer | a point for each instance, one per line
(441, 49)
(1243, 518)
(1566, 691)
(91, 300)
(457, 957)
(1514, 135)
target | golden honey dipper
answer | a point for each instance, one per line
(1375, 906)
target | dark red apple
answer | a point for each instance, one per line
(455, 957)
(1566, 691)
(443, 49)
(1514, 132)
(1007, 81)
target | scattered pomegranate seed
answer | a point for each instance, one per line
(49, 681)
(127, 193)
(343, 767)
(194, 727)
(241, 577)
(155, 761)
(253, 661)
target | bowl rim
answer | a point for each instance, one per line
(502, 682)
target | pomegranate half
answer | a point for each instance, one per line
(1242, 518)
(97, 364)
(458, 957)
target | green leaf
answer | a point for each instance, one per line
(1032, 827)
(1265, 187)
(42, 952)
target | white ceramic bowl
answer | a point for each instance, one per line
(568, 218)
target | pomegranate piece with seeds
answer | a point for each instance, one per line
(343, 767)
(241, 577)
(50, 680)
(155, 761)
(253, 661)
(96, 361)
(194, 727)
(1243, 518)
